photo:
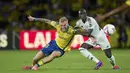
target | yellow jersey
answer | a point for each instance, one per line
(128, 2)
(64, 39)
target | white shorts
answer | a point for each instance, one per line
(101, 40)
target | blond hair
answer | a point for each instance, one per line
(62, 19)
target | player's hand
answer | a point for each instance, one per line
(31, 18)
(85, 31)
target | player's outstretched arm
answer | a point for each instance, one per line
(100, 18)
(83, 32)
(39, 19)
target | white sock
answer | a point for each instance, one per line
(87, 54)
(112, 60)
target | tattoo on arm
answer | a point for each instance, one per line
(44, 20)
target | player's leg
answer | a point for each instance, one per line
(111, 58)
(37, 57)
(47, 59)
(52, 56)
(84, 51)
(47, 50)
(51, 51)
(105, 45)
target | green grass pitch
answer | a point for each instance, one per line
(71, 62)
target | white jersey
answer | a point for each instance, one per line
(90, 24)
(97, 33)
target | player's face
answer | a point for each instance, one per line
(64, 25)
(82, 15)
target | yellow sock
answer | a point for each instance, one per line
(40, 63)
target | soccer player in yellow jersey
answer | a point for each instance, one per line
(55, 48)
(124, 6)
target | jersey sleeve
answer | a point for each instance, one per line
(92, 23)
(127, 2)
(77, 24)
(54, 24)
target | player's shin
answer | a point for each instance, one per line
(34, 62)
(87, 54)
(112, 60)
(110, 56)
(39, 63)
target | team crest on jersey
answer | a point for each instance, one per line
(90, 25)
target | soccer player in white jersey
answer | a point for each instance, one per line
(109, 30)
(94, 32)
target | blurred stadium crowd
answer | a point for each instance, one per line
(13, 15)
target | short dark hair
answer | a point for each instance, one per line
(82, 10)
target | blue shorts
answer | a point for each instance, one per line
(50, 47)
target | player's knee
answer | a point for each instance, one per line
(81, 50)
(56, 54)
(86, 46)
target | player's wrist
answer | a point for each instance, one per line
(35, 19)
